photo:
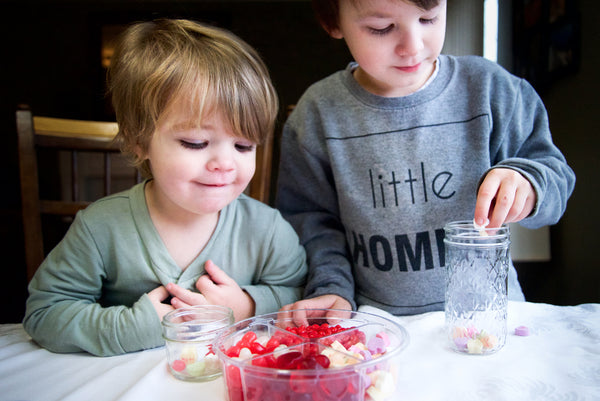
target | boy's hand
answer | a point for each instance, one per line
(505, 196)
(216, 288)
(329, 301)
(157, 296)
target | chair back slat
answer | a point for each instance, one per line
(76, 137)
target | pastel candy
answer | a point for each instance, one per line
(376, 345)
(386, 339)
(188, 355)
(366, 355)
(461, 343)
(475, 346)
(196, 368)
(522, 331)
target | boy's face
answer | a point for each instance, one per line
(394, 42)
(198, 168)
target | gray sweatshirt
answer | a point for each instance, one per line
(369, 182)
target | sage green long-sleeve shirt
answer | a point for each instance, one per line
(90, 292)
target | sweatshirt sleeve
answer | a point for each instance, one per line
(281, 278)
(63, 313)
(306, 197)
(526, 146)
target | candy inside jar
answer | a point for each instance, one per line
(188, 334)
(351, 359)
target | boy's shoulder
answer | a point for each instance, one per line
(473, 64)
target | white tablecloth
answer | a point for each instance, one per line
(560, 360)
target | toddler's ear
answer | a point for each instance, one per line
(140, 153)
(335, 33)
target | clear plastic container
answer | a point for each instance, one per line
(189, 334)
(477, 262)
(352, 374)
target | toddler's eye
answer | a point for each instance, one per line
(381, 31)
(193, 145)
(244, 147)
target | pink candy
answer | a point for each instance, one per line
(522, 331)
(376, 345)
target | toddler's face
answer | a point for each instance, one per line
(394, 42)
(199, 168)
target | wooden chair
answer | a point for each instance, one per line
(80, 138)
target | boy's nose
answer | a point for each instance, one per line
(409, 43)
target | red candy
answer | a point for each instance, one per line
(296, 386)
(178, 365)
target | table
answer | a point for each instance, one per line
(560, 360)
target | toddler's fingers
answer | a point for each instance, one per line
(158, 294)
(217, 275)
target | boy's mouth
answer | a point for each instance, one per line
(411, 68)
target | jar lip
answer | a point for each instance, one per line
(465, 232)
(216, 315)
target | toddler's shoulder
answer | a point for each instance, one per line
(253, 211)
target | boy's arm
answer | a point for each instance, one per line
(525, 145)
(63, 313)
(306, 197)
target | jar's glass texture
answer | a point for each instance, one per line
(477, 262)
(189, 333)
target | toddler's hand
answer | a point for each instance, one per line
(216, 288)
(329, 301)
(505, 196)
(157, 296)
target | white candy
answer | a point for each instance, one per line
(382, 385)
(481, 228)
(245, 353)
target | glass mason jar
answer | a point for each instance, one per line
(477, 262)
(189, 333)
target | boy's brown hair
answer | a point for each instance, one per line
(328, 11)
(156, 64)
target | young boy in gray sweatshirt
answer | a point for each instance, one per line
(377, 158)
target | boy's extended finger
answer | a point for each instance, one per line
(485, 196)
(502, 206)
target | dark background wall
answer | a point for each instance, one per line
(52, 62)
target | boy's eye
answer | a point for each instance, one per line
(244, 147)
(428, 20)
(193, 145)
(382, 31)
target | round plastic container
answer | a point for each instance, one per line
(189, 334)
(363, 358)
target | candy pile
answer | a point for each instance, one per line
(312, 353)
(193, 362)
(472, 340)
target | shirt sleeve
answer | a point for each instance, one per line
(281, 278)
(306, 197)
(525, 145)
(63, 313)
